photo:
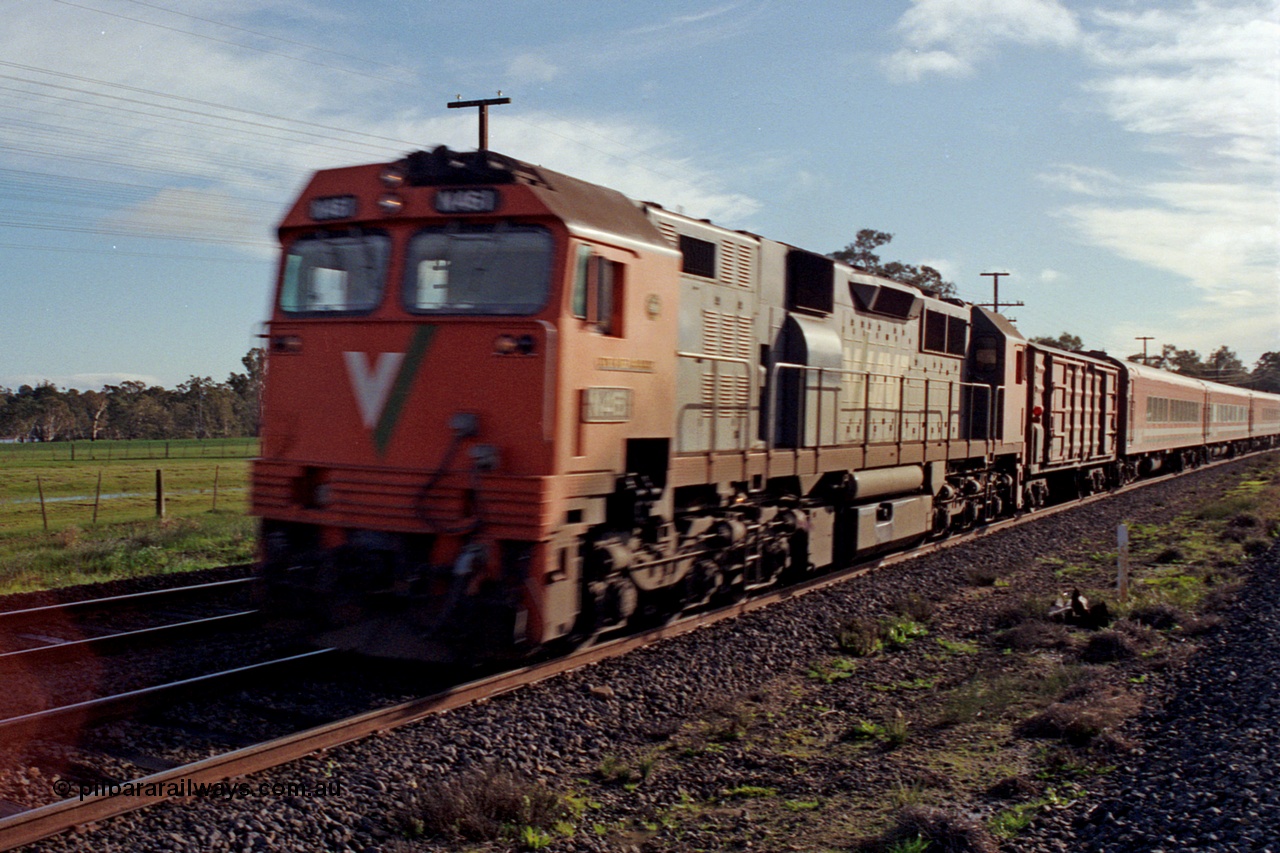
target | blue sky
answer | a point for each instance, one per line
(1119, 159)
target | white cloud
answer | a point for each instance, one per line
(1198, 83)
(1204, 75)
(250, 126)
(948, 268)
(531, 68)
(626, 157)
(951, 37)
(1085, 180)
(185, 212)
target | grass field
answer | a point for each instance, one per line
(60, 544)
(115, 451)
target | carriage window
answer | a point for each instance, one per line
(334, 273)
(479, 270)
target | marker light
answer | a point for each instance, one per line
(391, 177)
(286, 343)
(390, 204)
(511, 345)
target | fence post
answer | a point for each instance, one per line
(159, 493)
(97, 497)
(43, 514)
(1122, 561)
(215, 488)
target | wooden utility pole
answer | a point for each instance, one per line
(483, 105)
(995, 303)
(1144, 339)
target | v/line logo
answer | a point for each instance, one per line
(381, 384)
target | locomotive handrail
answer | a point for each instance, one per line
(981, 409)
(903, 381)
(715, 389)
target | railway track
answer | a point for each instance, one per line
(88, 621)
(85, 807)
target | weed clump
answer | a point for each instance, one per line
(1015, 788)
(981, 576)
(914, 607)
(1107, 647)
(1028, 609)
(1256, 547)
(1030, 636)
(1246, 520)
(863, 636)
(860, 636)
(1087, 711)
(485, 805)
(617, 771)
(921, 828)
(1161, 617)
(892, 734)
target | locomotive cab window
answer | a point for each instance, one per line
(335, 273)
(478, 269)
(597, 291)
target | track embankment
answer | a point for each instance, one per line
(935, 699)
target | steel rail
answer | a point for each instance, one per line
(56, 652)
(104, 708)
(42, 822)
(13, 620)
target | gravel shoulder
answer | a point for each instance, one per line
(1204, 774)
(783, 730)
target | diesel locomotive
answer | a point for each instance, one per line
(505, 408)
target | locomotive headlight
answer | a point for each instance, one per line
(390, 204)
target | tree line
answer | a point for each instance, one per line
(197, 408)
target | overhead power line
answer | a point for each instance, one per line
(228, 42)
(185, 100)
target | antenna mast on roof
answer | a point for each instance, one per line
(483, 105)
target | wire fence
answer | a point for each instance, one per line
(125, 450)
(53, 498)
